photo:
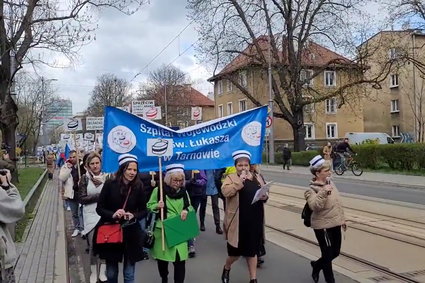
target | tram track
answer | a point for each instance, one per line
(387, 274)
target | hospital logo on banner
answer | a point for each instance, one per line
(121, 139)
(251, 133)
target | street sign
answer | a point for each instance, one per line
(269, 121)
(196, 113)
(137, 106)
(94, 123)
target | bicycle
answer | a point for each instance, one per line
(349, 163)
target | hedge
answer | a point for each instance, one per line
(401, 156)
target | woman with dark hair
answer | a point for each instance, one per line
(122, 200)
(243, 221)
(327, 218)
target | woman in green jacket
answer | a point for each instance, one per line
(176, 202)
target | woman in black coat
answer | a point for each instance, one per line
(112, 207)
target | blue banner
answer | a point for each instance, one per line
(204, 146)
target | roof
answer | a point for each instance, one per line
(190, 97)
(313, 55)
(407, 31)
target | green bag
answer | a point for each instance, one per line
(178, 231)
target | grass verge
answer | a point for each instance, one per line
(27, 179)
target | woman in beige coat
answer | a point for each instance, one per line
(327, 218)
(243, 221)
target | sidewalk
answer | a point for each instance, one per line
(42, 257)
(393, 179)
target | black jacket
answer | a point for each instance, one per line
(110, 200)
(286, 153)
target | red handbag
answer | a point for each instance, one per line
(111, 233)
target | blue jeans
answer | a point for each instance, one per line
(77, 216)
(112, 271)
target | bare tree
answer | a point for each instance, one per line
(408, 12)
(287, 33)
(35, 96)
(29, 26)
(109, 91)
(167, 85)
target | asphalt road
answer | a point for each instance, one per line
(351, 186)
(281, 265)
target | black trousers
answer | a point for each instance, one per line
(330, 246)
(286, 163)
(215, 209)
(179, 270)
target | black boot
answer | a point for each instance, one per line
(202, 228)
(218, 230)
(225, 275)
(253, 281)
(315, 273)
(164, 280)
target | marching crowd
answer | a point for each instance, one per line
(125, 216)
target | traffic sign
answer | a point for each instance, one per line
(269, 121)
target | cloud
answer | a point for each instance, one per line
(125, 45)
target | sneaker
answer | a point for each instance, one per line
(68, 208)
(218, 230)
(192, 252)
(75, 233)
(202, 228)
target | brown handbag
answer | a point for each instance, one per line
(111, 233)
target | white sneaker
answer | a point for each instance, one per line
(68, 208)
(75, 233)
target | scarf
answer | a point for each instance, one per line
(174, 194)
(96, 180)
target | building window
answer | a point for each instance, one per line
(331, 131)
(393, 53)
(242, 105)
(243, 78)
(306, 77)
(219, 87)
(220, 111)
(330, 78)
(395, 131)
(229, 108)
(309, 131)
(394, 106)
(330, 105)
(229, 86)
(308, 108)
(394, 80)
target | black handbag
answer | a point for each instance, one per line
(149, 239)
(306, 215)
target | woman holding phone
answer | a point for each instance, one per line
(243, 220)
(327, 218)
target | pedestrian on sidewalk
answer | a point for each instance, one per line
(327, 217)
(50, 165)
(11, 210)
(90, 186)
(196, 186)
(286, 155)
(69, 177)
(243, 221)
(176, 202)
(212, 192)
(122, 200)
(328, 153)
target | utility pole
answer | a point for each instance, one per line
(165, 106)
(271, 134)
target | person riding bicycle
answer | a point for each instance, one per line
(344, 150)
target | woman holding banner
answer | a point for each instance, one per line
(243, 220)
(176, 202)
(122, 200)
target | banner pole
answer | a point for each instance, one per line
(161, 198)
(77, 154)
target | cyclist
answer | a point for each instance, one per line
(344, 150)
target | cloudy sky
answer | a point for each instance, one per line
(125, 45)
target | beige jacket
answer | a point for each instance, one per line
(327, 209)
(232, 184)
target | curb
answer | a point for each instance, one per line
(336, 177)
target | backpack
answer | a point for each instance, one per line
(306, 215)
